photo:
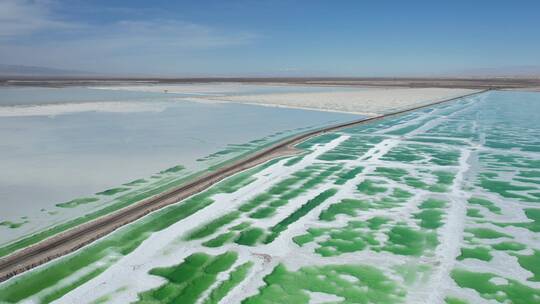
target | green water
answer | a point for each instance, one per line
(372, 286)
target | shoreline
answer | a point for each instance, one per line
(220, 101)
(369, 101)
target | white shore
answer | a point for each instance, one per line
(99, 106)
(368, 101)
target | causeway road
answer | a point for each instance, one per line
(75, 238)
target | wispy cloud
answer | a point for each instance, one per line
(165, 34)
(33, 35)
(23, 17)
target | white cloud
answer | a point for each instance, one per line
(26, 28)
(163, 34)
(22, 17)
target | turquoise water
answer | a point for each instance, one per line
(49, 160)
(26, 96)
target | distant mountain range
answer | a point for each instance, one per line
(35, 71)
(524, 71)
(9, 70)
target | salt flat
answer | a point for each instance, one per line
(365, 101)
(224, 89)
(370, 101)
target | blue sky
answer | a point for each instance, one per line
(274, 38)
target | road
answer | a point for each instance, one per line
(75, 238)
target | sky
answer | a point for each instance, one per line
(271, 38)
